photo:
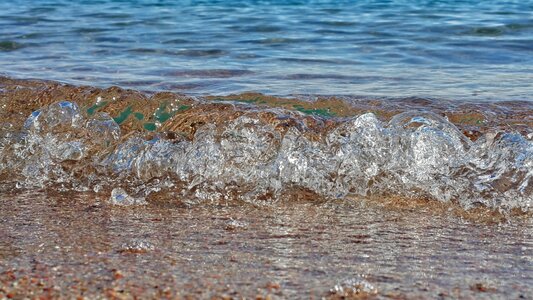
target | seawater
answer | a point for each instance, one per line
(215, 151)
(475, 50)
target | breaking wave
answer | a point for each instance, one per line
(266, 154)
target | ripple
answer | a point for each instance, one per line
(145, 50)
(487, 31)
(317, 61)
(208, 73)
(333, 23)
(352, 78)
(177, 41)
(260, 28)
(90, 29)
(276, 41)
(107, 15)
(202, 52)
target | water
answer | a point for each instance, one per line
(267, 155)
(466, 50)
(68, 245)
(396, 160)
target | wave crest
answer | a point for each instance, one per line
(415, 154)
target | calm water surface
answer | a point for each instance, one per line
(443, 49)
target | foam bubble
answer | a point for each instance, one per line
(416, 154)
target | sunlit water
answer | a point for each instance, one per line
(443, 49)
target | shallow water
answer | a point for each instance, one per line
(443, 49)
(78, 244)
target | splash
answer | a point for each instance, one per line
(253, 158)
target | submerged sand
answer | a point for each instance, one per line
(77, 245)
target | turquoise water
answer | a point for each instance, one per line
(461, 50)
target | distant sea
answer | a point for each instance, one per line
(455, 50)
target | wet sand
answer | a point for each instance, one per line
(76, 245)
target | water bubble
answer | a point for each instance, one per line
(416, 154)
(137, 247)
(233, 225)
(356, 287)
(32, 122)
(120, 197)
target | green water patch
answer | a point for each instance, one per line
(10, 46)
(183, 108)
(91, 110)
(323, 112)
(123, 115)
(149, 126)
(139, 116)
(161, 114)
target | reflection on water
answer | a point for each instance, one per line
(80, 244)
(443, 49)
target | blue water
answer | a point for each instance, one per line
(477, 50)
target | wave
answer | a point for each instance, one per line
(222, 151)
